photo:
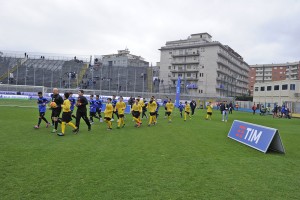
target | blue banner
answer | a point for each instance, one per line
(177, 93)
(256, 136)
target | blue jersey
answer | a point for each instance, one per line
(181, 107)
(42, 101)
(165, 102)
(73, 102)
(114, 102)
(98, 103)
(157, 108)
(93, 105)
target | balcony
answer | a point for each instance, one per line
(185, 55)
(233, 62)
(185, 62)
(184, 79)
(184, 70)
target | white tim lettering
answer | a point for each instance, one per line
(248, 130)
(256, 136)
(251, 134)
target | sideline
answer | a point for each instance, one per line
(12, 105)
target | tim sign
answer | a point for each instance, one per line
(258, 137)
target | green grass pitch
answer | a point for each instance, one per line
(178, 160)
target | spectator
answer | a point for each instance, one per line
(193, 106)
(254, 109)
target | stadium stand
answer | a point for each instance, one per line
(42, 72)
(115, 78)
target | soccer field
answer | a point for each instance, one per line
(179, 160)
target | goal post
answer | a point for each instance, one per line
(21, 89)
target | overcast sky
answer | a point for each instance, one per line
(262, 31)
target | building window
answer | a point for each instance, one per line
(269, 88)
(201, 75)
(284, 87)
(170, 52)
(262, 88)
(188, 74)
(276, 87)
(188, 67)
(256, 89)
(179, 75)
(179, 67)
(292, 87)
(169, 67)
(173, 74)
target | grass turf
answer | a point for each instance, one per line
(178, 160)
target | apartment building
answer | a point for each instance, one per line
(124, 59)
(206, 68)
(273, 72)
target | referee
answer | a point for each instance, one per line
(56, 111)
(81, 110)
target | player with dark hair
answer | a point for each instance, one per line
(164, 105)
(81, 110)
(120, 108)
(136, 111)
(56, 110)
(170, 107)
(187, 110)
(180, 107)
(98, 107)
(108, 112)
(152, 106)
(114, 103)
(66, 116)
(73, 102)
(93, 108)
(42, 102)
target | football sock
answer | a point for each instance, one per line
(63, 127)
(72, 125)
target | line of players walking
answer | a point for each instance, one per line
(113, 109)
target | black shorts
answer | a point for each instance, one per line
(121, 115)
(93, 114)
(209, 113)
(187, 112)
(107, 118)
(168, 113)
(152, 113)
(98, 110)
(136, 114)
(56, 112)
(66, 117)
(42, 114)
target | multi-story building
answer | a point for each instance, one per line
(206, 68)
(278, 92)
(273, 72)
(124, 59)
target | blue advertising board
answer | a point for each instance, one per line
(256, 136)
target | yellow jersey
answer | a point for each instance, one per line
(66, 106)
(152, 106)
(141, 102)
(170, 107)
(120, 107)
(108, 110)
(209, 108)
(187, 108)
(136, 107)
